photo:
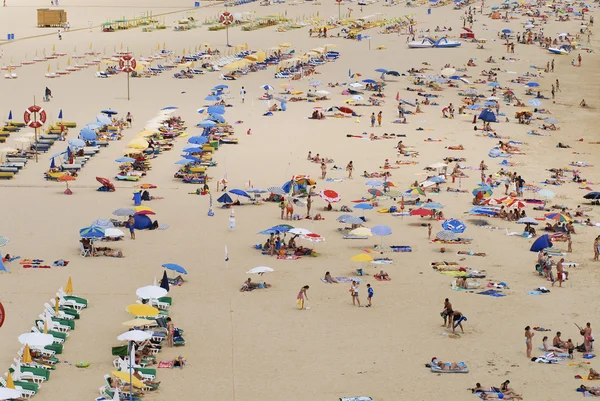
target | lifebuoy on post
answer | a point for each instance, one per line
(34, 122)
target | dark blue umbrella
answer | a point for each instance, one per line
(175, 268)
(482, 211)
(219, 87)
(393, 73)
(192, 158)
(283, 228)
(239, 192)
(216, 110)
(170, 108)
(87, 134)
(198, 140)
(532, 84)
(542, 242)
(192, 149)
(369, 81)
(60, 115)
(506, 31)
(109, 112)
(225, 198)
(10, 115)
(455, 77)
(592, 196)
(488, 116)
(184, 161)
(455, 226)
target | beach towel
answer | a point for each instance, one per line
(60, 263)
(292, 257)
(492, 293)
(14, 258)
(356, 237)
(481, 393)
(163, 227)
(378, 278)
(165, 364)
(342, 279)
(462, 365)
(30, 266)
(31, 261)
(361, 398)
(534, 293)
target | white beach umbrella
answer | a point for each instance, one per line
(260, 270)
(113, 232)
(134, 335)
(37, 340)
(9, 394)
(151, 292)
(448, 71)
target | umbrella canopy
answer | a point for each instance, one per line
(375, 192)
(374, 183)
(362, 232)
(225, 198)
(175, 268)
(36, 340)
(260, 270)
(421, 212)
(138, 322)
(151, 292)
(535, 102)
(125, 160)
(276, 190)
(113, 233)
(266, 87)
(562, 218)
(542, 242)
(9, 394)
(219, 109)
(103, 223)
(87, 134)
(91, 232)
(135, 335)
(124, 211)
(486, 191)
(256, 191)
(381, 231)
(239, 192)
(142, 310)
(4, 241)
(455, 226)
(199, 140)
(109, 112)
(330, 196)
(527, 220)
(433, 206)
(212, 98)
(299, 231)
(78, 143)
(102, 119)
(446, 236)
(363, 206)
(144, 213)
(488, 116)
(349, 219)
(312, 237)
(362, 257)
(125, 377)
(591, 195)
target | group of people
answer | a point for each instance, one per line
(452, 318)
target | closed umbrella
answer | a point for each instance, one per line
(151, 292)
(135, 335)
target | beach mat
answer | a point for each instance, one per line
(28, 266)
(57, 263)
(492, 293)
(361, 398)
(165, 364)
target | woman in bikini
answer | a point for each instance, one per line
(528, 340)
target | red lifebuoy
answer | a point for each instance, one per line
(2, 314)
(34, 123)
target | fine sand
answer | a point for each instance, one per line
(249, 346)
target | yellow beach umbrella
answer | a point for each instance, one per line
(124, 376)
(26, 355)
(53, 47)
(145, 133)
(362, 257)
(69, 286)
(56, 305)
(143, 208)
(138, 322)
(142, 310)
(45, 326)
(48, 68)
(138, 143)
(9, 381)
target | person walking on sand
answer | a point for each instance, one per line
(429, 228)
(354, 293)
(170, 332)
(379, 118)
(552, 66)
(130, 224)
(308, 206)
(302, 296)
(243, 94)
(529, 340)
(370, 294)
(596, 248)
(579, 60)
(558, 86)
(587, 337)
(350, 169)
(560, 270)
(323, 170)
(552, 92)
(372, 120)
(129, 118)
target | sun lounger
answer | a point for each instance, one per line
(463, 369)
(28, 373)
(27, 389)
(8, 170)
(6, 175)
(71, 167)
(13, 159)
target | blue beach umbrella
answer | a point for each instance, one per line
(363, 206)
(216, 110)
(109, 112)
(532, 84)
(170, 108)
(381, 70)
(542, 242)
(454, 225)
(239, 192)
(221, 87)
(184, 161)
(266, 87)
(10, 115)
(78, 143)
(494, 84)
(206, 124)
(374, 183)
(91, 232)
(125, 160)
(381, 231)
(192, 158)
(474, 107)
(225, 198)
(213, 98)
(93, 126)
(369, 81)
(176, 268)
(192, 149)
(102, 119)
(87, 134)
(535, 102)
(506, 31)
(217, 117)
(198, 140)
(490, 103)
(488, 116)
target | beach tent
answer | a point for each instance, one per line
(141, 222)
(542, 242)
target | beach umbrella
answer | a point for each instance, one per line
(266, 87)
(198, 140)
(78, 143)
(488, 116)
(381, 70)
(138, 143)
(374, 183)
(124, 211)
(542, 242)
(93, 126)
(9, 393)
(448, 71)
(362, 232)
(437, 179)
(91, 232)
(330, 196)
(212, 98)
(175, 267)
(113, 233)
(532, 84)
(66, 178)
(562, 218)
(474, 107)
(260, 270)
(299, 231)
(375, 192)
(219, 109)
(256, 191)
(225, 198)
(362, 257)
(446, 236)
(527, 220)
(489, 104)
(506, 31)
(349, 219)
(109, 112)
(173, 107)
(591, 195)
(184, 161)
(144, 213)
(138, 322)
(36, 340)
(363, 206)
(315, 83)
(283, 228)
(408, 102)
(415, 191)
(125, 160)
(87, 134)
(135, 335)
(239, 192)
(276, 190)
(421, 212)
(10, 115)
(216, 117)
(369, 81)
(454, 225)
(103, 224)
(102, 119)
(381, 231)
(313, 237)
(221, 87)
(142, 310)
(494, 84)
(535, 102)
(482, 211)
(483, 191)
(433, 206)
(269, 231)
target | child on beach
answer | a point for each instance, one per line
(370, 295)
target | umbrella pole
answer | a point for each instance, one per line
(131, 354)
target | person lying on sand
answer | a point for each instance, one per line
(443, 365)
(507, 391)
(591, 390)
(471, 253)
(382, 276)
(549, 348)
(249, 286)
(449, 189)
(329, 279)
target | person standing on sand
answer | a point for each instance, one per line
(308, 206)
(302, 295)
(596, 248)
(529, 340)
(354, 293)
(429, 228)
(243, 94)
(559, 272)
(350, 169)
(323, 170)
(379, 118)
(552, 66)
(130, 224)
(129, 118)
(552, 92)
(569, 244)
(579, 60)
(372, 120)
(370, 294)
(558, 86)
(587, 337)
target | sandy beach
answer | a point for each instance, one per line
(242, 346)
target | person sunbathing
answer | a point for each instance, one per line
(329, 279)
(382, 276)
(151, 384)
(508, 391)
(562, 146)
(456, 147)
(445, 366)
(549, 348)
(471, 253)
(591, 390)
(450, 189)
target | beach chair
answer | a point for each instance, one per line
(27, 373)
(27, 389)
(64, 313)
(56, 324)
(60, 315)
(59, 338)
(73, 302)
(101, 74)
(65, 308)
